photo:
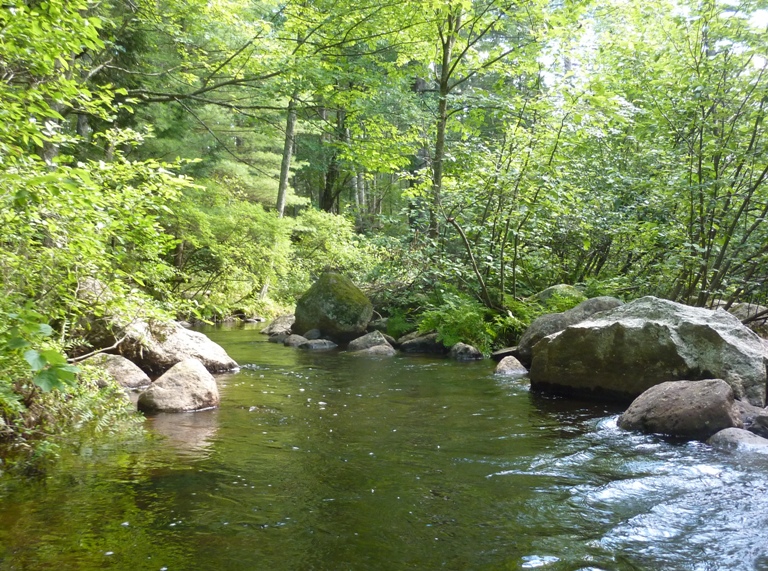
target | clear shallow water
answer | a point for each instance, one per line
(332, 462)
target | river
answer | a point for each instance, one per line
(328, 461)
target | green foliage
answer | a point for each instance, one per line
(459, 319)
(399, 323)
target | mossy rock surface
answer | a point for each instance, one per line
(334, 305)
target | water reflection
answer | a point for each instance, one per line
(190, 433)
(329, 462)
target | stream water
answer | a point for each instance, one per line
(327, 461)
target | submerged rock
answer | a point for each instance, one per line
(511, 366)
(464, 352)
(334, 305)
(623, 352)
(126, 373)
(318, 345)
(187, 386)
(377, 351)
(294, 341)
(740, 439)
(685, 409)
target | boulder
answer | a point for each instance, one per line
(278, 338)
(621, 353)
(313, 334)
(318, 345)
(334, 305)
(739, 439)
(157, 346)
(391, 340)
(294, 341)
(684, 409)
(187, 386)
(126, 373)
(367, 341)
(511, 366)
(747, 412)
(759, 424)
(423, 344)
(560, 290)
(410, 337)
(377, 351)
(464, 352)
(553, 322)
(280, 325)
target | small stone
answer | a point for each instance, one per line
(511, 366)
(464, 352)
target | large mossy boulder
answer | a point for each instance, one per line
(334, 305)
(623, 352)
(553, 322)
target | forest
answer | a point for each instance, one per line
(208, 159)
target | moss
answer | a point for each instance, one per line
(335, 305)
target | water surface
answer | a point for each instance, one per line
(328, 461)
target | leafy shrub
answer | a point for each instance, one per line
(459, 319)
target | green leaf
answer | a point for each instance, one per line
(47, 380)
(35, 359)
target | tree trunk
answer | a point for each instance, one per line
(285, 164)
(453, 25)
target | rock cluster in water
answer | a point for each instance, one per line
(693, 373)
(148, 346)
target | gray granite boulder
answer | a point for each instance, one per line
(553, 322)
(367, 341)
(280, 325)
(685, 409)
(126, 373)
(621, 353)
(187, 386)
(511, 366)
(157, 346)
(334, 305)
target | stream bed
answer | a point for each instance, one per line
(329, 461)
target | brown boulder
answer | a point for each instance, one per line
(685, 409)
